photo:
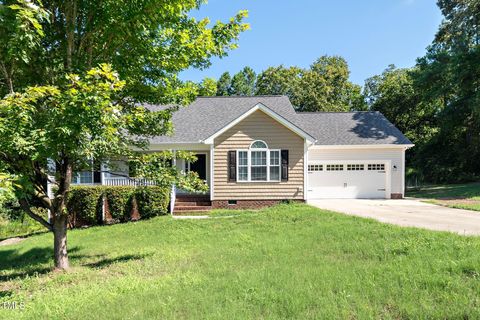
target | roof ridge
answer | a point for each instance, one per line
(239, 96)
(323, 112)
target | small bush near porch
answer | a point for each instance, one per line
(288, 261)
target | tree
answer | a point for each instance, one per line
(20, 33)
(323, 87)
(279, 81)
(395, 94)
(326, 86)
(224, 84)
(73, 119)
(243, 82)
(148, 42)
(65, 127)
(449, 73)
(208, 87)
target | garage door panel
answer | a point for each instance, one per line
(347, 184)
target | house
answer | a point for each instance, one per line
(256, 151)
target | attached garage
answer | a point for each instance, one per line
(349, 180)
(355, 172)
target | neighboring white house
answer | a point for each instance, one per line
(255, 151)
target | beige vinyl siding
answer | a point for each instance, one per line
(258, 126)
(392, 154)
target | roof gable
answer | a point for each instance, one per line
(261, 107)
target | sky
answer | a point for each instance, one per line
(369, 34)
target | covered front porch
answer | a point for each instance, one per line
(120, 173)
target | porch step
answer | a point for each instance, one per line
(192, 208)
(200, 213)
(193, 203)
(189, 198)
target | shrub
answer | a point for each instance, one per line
(152, 201)
(119, 199)
(84, 204)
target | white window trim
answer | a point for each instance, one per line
(249, 164)
(76, 180)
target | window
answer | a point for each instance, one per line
(83, 177)
(315, 167)
(258, 163)
(259, 166)
(334, 167)
(274, 165)
(376, 166)
(258, 145)
(355, 167)
(242, 165)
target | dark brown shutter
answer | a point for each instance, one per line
(284, 163)
(132, 169)
(97, 174)
(232, 166)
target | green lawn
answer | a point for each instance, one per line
(289, 261)
(462, 196)
(18, 228)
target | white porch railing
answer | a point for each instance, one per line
(127, 182)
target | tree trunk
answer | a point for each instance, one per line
(8, 77)
(60, 242)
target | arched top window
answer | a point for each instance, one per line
(258, 144)
(258, 163)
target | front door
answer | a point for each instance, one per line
(199, 166)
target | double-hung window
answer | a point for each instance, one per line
(243, 165)
(258, 163)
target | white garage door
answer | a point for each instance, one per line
(334, 180)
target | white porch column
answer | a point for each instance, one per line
(103, 168)
(212, 151)
(173, 192)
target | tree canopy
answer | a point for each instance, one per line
(325, 86)
(148, 42)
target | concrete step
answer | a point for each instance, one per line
(192, 197)
(193, 203)
(192, 208)
(199, 213)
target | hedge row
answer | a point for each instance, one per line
(85, 203)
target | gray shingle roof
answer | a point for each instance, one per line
(207, 115)
(350, 128)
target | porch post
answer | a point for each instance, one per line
(173, 191)
(102, 173)
(212, 173)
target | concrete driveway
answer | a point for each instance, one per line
(407, 213)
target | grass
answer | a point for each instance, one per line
(17, 228)
(461, 196)
(288, 261)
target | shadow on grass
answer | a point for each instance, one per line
(29, 263)
(445, 192)
(5, 294)
(109, 261)
(34, 261)
(23, 236)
